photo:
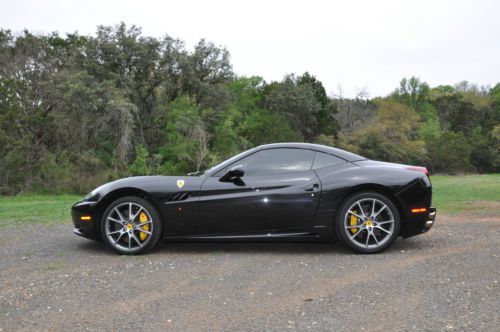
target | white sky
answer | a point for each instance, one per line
(355, 44)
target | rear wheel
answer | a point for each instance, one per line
(367, 222)
(131, 225)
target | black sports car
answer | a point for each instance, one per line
(285, 191)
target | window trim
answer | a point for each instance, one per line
(329, 154)
(224, 170)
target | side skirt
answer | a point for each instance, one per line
(261, 237)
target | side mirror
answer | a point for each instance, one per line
(233, 174)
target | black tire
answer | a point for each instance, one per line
(130, 241)
(353, 237)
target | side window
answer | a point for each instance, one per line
(277, 161)
(324, 160)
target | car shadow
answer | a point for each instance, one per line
(251, 248)
(92, 247)
(293, 248)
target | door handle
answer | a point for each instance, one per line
(312, 188)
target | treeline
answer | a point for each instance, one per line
(77, 111)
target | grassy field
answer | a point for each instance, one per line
(452, 194)
(40, 209)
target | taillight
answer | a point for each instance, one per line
(418, 169)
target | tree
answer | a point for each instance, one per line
(452, 153)
(353, 114)
(455, 114)
(326, 115)
(297, 104)
(78, 111)
(185, 141)
(412, 92)
(391, 136)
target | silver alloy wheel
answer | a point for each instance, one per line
(123, 227)
(369, 223)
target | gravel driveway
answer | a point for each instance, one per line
(447, 279)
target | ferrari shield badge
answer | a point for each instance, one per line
(180, 183)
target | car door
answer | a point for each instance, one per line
(279, 191)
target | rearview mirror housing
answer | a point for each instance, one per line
(233, 174)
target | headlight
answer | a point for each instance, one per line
(90, 196)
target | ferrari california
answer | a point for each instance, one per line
(277, 192)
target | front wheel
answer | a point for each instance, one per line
(367, 222)
(131, 225)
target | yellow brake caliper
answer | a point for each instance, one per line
(353, 221)
(143, 218)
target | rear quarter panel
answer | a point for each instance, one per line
(406, 188)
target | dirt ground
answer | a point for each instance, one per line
(447, 279)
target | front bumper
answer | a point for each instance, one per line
(85, 219)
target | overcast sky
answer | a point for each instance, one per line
(354, 44)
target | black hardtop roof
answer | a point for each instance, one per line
(349, 156)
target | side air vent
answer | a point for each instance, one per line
(179, 197)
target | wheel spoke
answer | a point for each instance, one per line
(135, 215)
(376, 241)
(130, 211)
(385, 222)
(367, 239)
(353, 226)
(144, 231)
(136, 240)
(373, 206)
(119, 214)
(383, 229)
(129, 241)
(115, 232)
(115, 220)
(361, 209)
(118, 238)
(354, 214)
(140, 224)
(379, 211)
(356, 234)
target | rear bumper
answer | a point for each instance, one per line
(431, 217)
(419, 224)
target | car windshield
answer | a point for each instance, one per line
(225, 162)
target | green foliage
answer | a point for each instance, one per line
(185, 139)
(452, 153)
(297, 104)
(140, 165)
(78, 111)
(390, 136)
(412, 92)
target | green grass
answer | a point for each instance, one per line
(453, 194)
(39, 209)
